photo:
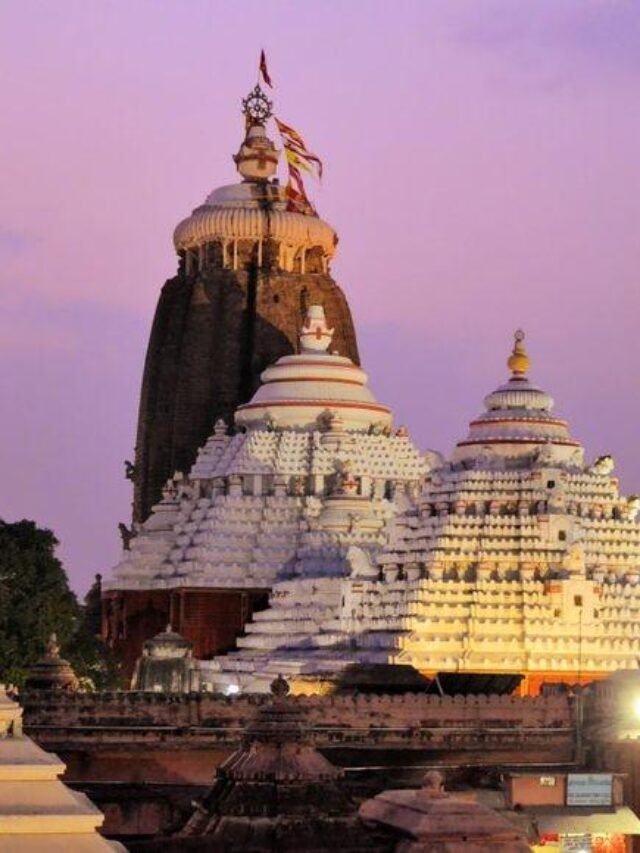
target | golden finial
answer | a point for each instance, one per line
(518, 362)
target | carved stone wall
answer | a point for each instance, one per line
(142, 756)
(359, 712)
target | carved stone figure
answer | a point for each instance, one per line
(360, 565)
(126, 534)
(603, 465)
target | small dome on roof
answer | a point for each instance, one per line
(301, 391)
(518, 418)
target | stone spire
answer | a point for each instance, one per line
(212, 337)
(304, 390)
(518, 420)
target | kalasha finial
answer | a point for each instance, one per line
(279, 687)
(315, 336)
(257, 159)
(256, 107)
(518, 362)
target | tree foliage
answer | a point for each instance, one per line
(35, 601)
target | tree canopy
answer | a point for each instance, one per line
(35, 601)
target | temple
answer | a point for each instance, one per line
(248, 268)
(514, 561)
(310, 478)
(284, 525)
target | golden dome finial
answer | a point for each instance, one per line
(518, 362)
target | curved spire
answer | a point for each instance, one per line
(518, 361)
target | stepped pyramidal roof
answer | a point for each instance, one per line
(313, 467)
(515, 556)
(38, 812)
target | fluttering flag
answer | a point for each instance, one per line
(298, 158)
(264, 73)
(294, 159)
(297, 199)
(294, 144)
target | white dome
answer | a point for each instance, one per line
(298, 390)
(518, 419)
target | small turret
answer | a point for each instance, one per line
(52, 672)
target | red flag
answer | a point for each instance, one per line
(263, 70)
(295, 144)
(297, 199)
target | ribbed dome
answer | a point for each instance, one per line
(298, 390)
(518, 418)
(235, 219)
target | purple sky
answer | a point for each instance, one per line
(482, 170)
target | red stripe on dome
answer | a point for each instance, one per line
(319, 363)
(314, 379)
(329, 404)
(541, 440)
(544, 421)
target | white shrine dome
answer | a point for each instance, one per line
(298, 391)
(518, 418)
(255, 209)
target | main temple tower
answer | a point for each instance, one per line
(248, 269)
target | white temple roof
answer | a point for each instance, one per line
(38, 813)
(316, 471)
(298, 389)
(518, 418)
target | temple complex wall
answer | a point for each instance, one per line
(93, 712)
(143, 757)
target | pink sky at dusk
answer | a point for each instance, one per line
(482, 169)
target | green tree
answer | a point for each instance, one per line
(35, 601)
(93, 661)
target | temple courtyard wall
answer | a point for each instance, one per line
(143, 757)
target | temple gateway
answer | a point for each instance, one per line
(295, 530)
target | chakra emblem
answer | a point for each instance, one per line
(257, 107)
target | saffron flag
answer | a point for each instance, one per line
(264, 73)
(297, 151)
(297, 199)
(294, 159)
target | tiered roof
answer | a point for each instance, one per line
(315, 470)
(515, 557)
(37, 811)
